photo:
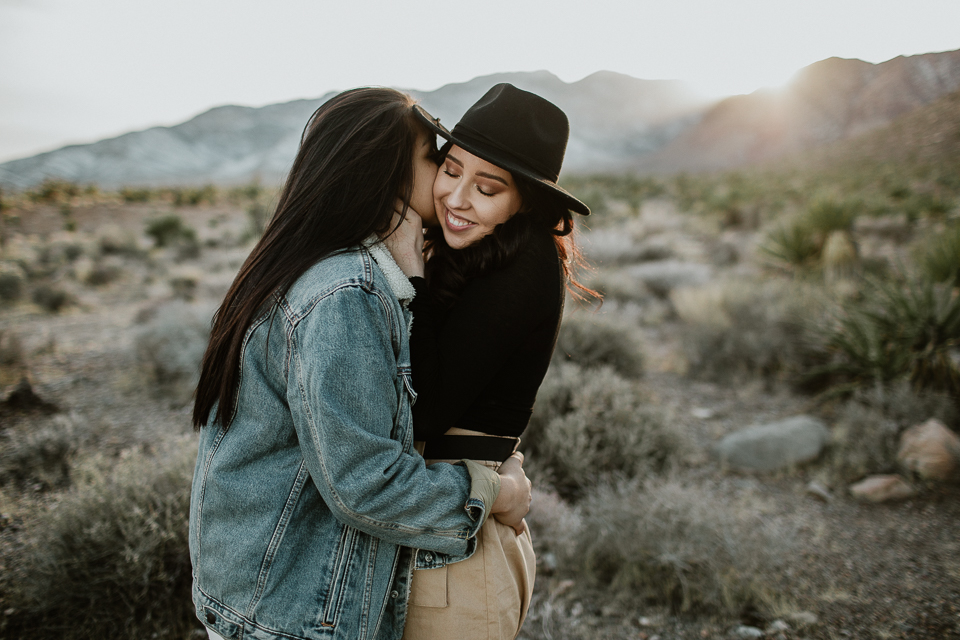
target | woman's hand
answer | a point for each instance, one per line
(406, 242)
(516, 492)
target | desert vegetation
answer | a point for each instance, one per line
(824, 287)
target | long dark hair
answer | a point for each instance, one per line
(355, 160)
(448, 270)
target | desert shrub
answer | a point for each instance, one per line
(868, 425)
(11, 351)
(102, 273)
(742, 329)
(619, 285)
(38, 454)
(794, 244)
(50, 298)
(170, 345)
(684, 546)
(12, 281)
(135, 194)
(897, 330)
(591, 340)
(194, 196)
(115, 241)
(170, 231)
(54, 190)
(825, 215)
(593, 423)
(258, 215)
(938, 255)
(111, 559)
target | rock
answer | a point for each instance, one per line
(817, 490)
(775, 445)
(777, 626)
(803, 618)
(930, 450)
(744, 631)
(882, 488)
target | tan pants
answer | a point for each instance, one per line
(485, 597)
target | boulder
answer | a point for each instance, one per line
(775, 445)
(930, 450)
(882, 488)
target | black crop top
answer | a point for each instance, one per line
(479, 364)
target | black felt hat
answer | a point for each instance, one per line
(516, 130)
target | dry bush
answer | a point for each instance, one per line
(867, 429)
(591, 340)
(50, 298)
(171, 231)
(11, 350)
(170, 345)
(38, 455)
(742, 329)
(619, 285)
(109, 559)
(592, 423)
(112, 240)
(688, 547)
(12, 282)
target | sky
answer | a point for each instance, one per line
(75, 72)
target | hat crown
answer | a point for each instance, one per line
(529, 129)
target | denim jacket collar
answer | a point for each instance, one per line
(395, 277)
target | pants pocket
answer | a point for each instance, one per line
(429, 588)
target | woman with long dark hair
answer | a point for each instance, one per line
(308, 495)
(486, 317)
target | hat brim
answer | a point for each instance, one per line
(491, 156)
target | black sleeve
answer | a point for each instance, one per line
(456, 356)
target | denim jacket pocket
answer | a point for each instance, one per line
(338, 576)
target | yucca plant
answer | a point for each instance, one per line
(911, 330)
(793, 243)
(939, 256)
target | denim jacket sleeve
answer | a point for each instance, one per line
(342, 393)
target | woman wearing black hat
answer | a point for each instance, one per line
(486, 316)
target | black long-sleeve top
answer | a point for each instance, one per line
(479, 364)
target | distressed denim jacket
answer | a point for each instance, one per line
(306, 514)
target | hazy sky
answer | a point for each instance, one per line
(78, 71)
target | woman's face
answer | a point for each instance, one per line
(424, 173)
(471, 197)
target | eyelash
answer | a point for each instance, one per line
(479, 190)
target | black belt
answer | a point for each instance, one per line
(470, 447)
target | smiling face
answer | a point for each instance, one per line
(424, 173)
(472, 196)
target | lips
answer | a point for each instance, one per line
(456, 223)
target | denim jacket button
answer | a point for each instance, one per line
(428, 557)
(210, 617)
(394, 594)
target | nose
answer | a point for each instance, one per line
(458, 197)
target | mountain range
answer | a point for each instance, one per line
(618, 123)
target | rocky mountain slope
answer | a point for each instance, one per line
(619, 124)
(830, 100)
(614, 118)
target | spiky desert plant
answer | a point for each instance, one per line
(909, 329)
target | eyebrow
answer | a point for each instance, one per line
(482, 174)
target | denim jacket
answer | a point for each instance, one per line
(306, 514)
